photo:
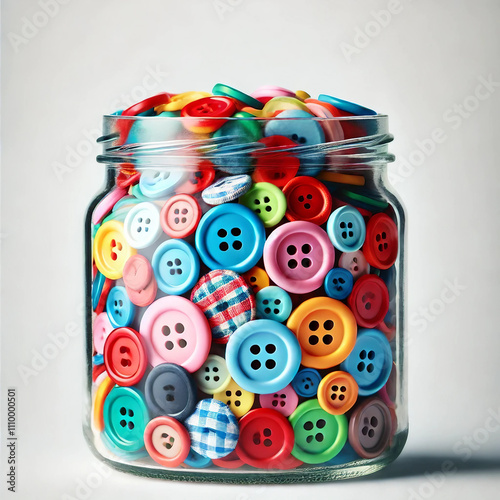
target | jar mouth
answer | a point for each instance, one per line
(155, 141)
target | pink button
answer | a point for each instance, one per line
(298, 255)
(139, 281)
(102, 328)
(284, 401)
(354, 262)
(106, 204)
(176, 331)
(267, 92)
(332, 128)
(180, 216)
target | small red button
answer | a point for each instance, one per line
(127, 176)
(208, 108)
(231, 461)
(369, 301)
(180, 216)
(199, 179)
(266, 438)
(308, 200)
(124, 356)
(381, 243)
(108, 283)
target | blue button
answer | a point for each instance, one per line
(273, 303)
(176, 266)
(263, 356)
(98, 359)
(97, 286)
(171, 391)
(306, 382)
(197, 461)
(226, 189)
(160, 183)
(370, 362)
(348, 107)
(233, 159)
(346, 455)
(346, 229)
(119, 307)
(338, 283)
(230, 237)
(125, 418)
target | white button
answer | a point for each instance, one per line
(142, 225)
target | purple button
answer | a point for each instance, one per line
(285, 401)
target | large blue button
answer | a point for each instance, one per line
(263, 356)
(176, 266)
(338, 283)
(160, 183)
(346, 229)
(230, 236)
(119, 307)
(170, 391)
(306, 382)
(226, 189)
(273, 303)
(370, 362)
(196, 460)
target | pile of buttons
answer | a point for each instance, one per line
(243, 311)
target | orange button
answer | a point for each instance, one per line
(100, 396)
(337, 392)
(257, 278)
(326, 330)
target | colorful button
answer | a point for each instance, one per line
(231, 461)
(100, 330)
(200, 114)
(171, 391)
(213, 429)
(363, 199)
(266, 92)
(101, 304)
(337, 392)
(338, 283)
(167, 441)
(302, 95)
(180, 216)
(236, 398)
(346, 455)
(226, 189)
(326, 330)
(106, 204)
(285, 400)
(199, 178)
(148, 104)
(381, 246)
(278, 105)
(226, 90)
(273, 303)
(369, 300)
(355, 263)
(319, 435)
(230, 237)
(125, 419)
(346, 229)
(119, 307)
(176, 266)
(125, 356)
(142, 225)
(178, 101)
(243, 131)
(98, 400)
(348, 107)
(176, 331)
(263, 356)
(298, 255)
(297, 126)
(257, 278)
(370, 362)
(307, 200)
(226, 300)
(97, 286)
(157, 184)
(139, 280)
(111, 249)
(213, 376)
(196, 461)
(370, 428)
(306, 382)
(266, 438)
(267, 201)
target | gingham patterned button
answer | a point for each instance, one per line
(226, 189)
(226, 300)
(213, 429)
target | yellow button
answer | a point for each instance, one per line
(354, 180)
(111, 249)
(252, 111)
(257, 278)
(278, 104)
(326, 330)
(98, 404)
(302, 95)
(178, 101)
(238, 400)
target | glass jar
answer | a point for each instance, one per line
(245, 293)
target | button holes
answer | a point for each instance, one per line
(170, 398)
(301, 199)
(341, 397)
(333, 397)
(371, 433)
(169, 345)
(292, 263)
(116, 303)
(335, 388)
(269, 208)
(291, 249)
(215, 369)
(306, 248)
(328, 324)
(179, 271)
(283, 396)
(257, 202)
(374, 421)
(385, 246)
(267, 310)
(362, 354)
(270, 364)
(308, 425)
(255, 349)
(266, 199)
(253, 279)
(276, 311)
(179, 327)
(306, 387)
(236, 231)
(342, 225)
(237, 403)
(342, 281)
(222, 233)
(170, 263)
(216, 378)
(344, 235)
(228, 394)
(257, 210)
(309, 439)
(384, 236)
(126, 362)
(309, 196)
(377, 238)
(176, 220)
(274, 403)
(182, 343)
(307, 206)
(123, 411)
(380, 247)
(313, 339)
(355, 268)
(255, 364)
(238, 393)
(256, 438)
(371, 355)
(319, 437)
(265, 302)
(237, 245)
(361, 366)
(355, 259)
(267, 432)
(320, 423)
(228, 403)
(282, 404)
(327, 339)
(148, 221)
(334, 281)
(176, 211)
(207, 378)
(165, 330)
(313, 325)
(370, 368)
(277, 302)
(351, 234)
(131, 425)
(270, 348)
(223, 246)
(343, 388)
(172, 272)
(184, 211)
(306, 263)
(267, 442)
(368, 306)
(364, 431)
(123, 349)
(207, 369)
(123, 423)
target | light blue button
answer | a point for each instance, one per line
(97, 359)
(160, 183)
(346, 229)
(338, 283)
(273, 303)
(226, 189)
(370, 362)
(197, 461)
(306, 382)
(119, 307)
(97, 286)
(348, 107)
(176, 266)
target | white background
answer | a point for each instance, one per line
(417, 64)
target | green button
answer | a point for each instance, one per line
(226, 90)
(125, 418)
(362, 200)
(242, 131)
(213, 376)
(319, 436)
(267, 201)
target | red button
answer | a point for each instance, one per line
(139, 281)
(333, 110)
(199, 179)
(307, 199)
(127, 176)
(207, 107)
(104, 296)
(124, 356)
(96, 371)
(369, 301)
(231, 461)
(381, 243)
(273, 165)
(180, 216)
(266, 438)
